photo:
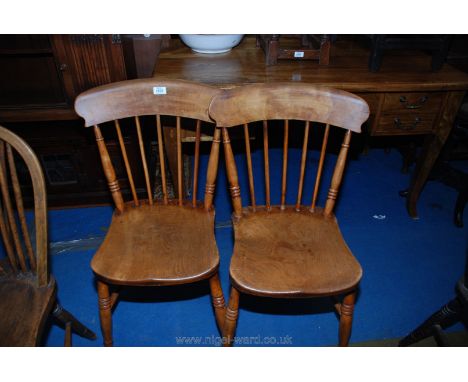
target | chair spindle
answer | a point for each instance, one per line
(232, 175)
(303, 166)
(109, 170)
(143, 160)
(20, 207)
(7, 242)
(285, 165)
(249, 167)
(337, 174)
(162, 160)
(196, 163)
(11, 219)
(320, 167)
(267, 165)
(4, 167)
(179, 162)
(127, 164)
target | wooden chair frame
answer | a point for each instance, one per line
(154, 97)
(287, 101)
(25, 285)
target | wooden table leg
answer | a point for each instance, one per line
(431, 150)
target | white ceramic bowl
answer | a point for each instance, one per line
(211, 43)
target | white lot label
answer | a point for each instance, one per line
(298, 54)
(159, 90)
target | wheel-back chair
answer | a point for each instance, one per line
(27, 290)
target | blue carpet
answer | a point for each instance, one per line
(410, 267)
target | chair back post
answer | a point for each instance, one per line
(9, 229)
(231, 170)
(337, 175)
(109, 171)
(212, 170)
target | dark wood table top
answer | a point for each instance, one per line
(348, 70)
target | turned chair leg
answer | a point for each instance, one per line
(346, 318)
(230, 321)
(105, 312)
(217, 298)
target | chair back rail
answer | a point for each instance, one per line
(22, 256)
(287, 102)
(158, 98)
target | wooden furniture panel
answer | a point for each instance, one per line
(421, 101)
(40, 76)
(88, 61)
(20, 85)
(404, 124)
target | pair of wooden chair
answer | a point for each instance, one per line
(27, 291)
(280, 251)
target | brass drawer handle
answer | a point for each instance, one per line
(416, 105)
(401, 126)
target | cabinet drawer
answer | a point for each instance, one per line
(405, 124)
(411, 102)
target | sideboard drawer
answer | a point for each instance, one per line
(405, 124)
(411, 102)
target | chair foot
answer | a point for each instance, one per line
(105, 312)
(230, 321)
(68, 335)
(346, 318)
(68, 319)
(217, 298)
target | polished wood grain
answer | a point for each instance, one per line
(401, 71)
(289, 253)
(403, 74)
(135, 98)
(281, 101)
(158, 245)
(286, 251)
(27, 293)
(156, 241)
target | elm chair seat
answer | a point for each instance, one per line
(21, 300)
(158, 245)
(283, 253)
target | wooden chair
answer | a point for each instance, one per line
(27, 292)
(154, 242)
(289, 251)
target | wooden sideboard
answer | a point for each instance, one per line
(405, 96)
